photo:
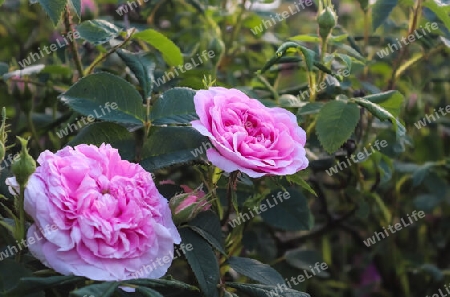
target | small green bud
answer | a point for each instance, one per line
(327, 20)
(25, 166)
(218, 47)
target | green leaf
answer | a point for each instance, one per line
(256, 270)
(76, 4)
(4, 68)
(257, 290)
(202, 261)
(346, 59)
(392, 101)
(98, 31)
(1, 3)
(306, 38)
(98, 290)
(30, 284)
(11, 274)
(169, 50)
(54, 9)
(291, 214)
(305, 259)
(310, 108)
(383, 115)
(297, 179)
(207, 225)
(381, 11)
(147, 292)
(115, 135)
(161, 284)
(364, 4)
(307, 54)
(175, 106)
(335, 124)
(167, 146)
(143, 67)
(338, 38)
(91, 94)
(440, 9)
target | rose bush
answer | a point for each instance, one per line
(249, 136)
(111, 220)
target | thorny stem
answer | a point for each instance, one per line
(72, 43)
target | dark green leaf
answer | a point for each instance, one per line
(291, 214)
(167, 146)
(77, 6)
(29, 285)
(297, 179)
(161, 284)
(335, 124)
(54, 9)
(392, 101)
(310, 108)
(207, 224)
(143, 66)
(381, 11)
(175, 106)
(97, 31)
(256, 270)
(147, 292)
(170, 51)
(92, 94)
(383, 115)
(202, 261)
(115, 135)
(256, 290)
(98, 290)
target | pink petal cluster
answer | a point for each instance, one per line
(111, 220)
(88, 5)
(249, 136)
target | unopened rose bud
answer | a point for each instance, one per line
(187, 206)
(25, 166)
(327, 20)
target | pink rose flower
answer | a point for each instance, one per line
(111, 220)
(248, 136)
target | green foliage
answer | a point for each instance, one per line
(335, 123)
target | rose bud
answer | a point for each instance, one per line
(187, 206)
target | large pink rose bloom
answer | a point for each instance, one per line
(111, 220)
(248, 136)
